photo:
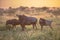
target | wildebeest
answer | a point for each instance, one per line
(12, 22)
(25, 20)
(44, 22)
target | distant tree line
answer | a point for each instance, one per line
(54, 10)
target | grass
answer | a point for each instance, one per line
(30, 33)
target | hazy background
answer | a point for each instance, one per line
(29, 3)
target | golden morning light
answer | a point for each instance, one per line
(29, 3)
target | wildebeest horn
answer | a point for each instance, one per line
(17, 15)
(23, 15)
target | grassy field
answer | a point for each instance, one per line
(32, 34)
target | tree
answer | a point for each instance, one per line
(11, 10)
(1, 11)
(44, 8)
(56, 12)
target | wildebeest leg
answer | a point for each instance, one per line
(35, 26)
(14, 27)
(50, 27)
(23, 26)
(8, 27)
(41, 27)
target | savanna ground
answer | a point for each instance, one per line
(30, 33)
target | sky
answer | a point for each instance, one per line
(29, 3)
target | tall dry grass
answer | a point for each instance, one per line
(32, 34)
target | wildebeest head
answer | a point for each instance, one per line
(43, 21)
(21, 17)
